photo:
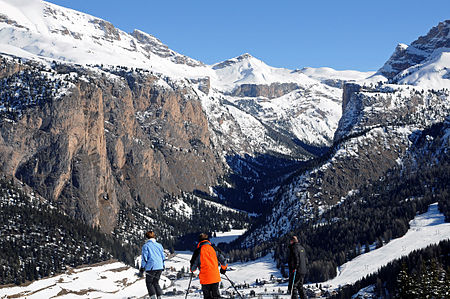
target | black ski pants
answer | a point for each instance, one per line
(152, 282)
(211, 291)
(297, 285)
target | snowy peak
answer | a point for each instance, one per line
(244, 58)
(44, 30)
(246, 69)
(424, 63)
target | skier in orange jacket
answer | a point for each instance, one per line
(207, 260)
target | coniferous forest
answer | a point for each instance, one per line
(380, 212)
(38, 241)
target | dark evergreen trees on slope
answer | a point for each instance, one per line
(380, 211)
(177, 228)
(377, 214)
(38, 241)
(423, 273)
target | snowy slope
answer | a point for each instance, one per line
(227, 237)
(116, 280)
(434, 73)
(46, 30)
(425, 229)
(334, 77)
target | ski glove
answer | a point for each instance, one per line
(223, 271)
(141, 272)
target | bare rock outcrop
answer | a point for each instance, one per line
(103, 140)
(271, 91)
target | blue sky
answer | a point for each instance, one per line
(359, 35)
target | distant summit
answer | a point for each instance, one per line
(232, 61)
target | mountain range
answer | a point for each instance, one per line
(179, 114)
(117, 130)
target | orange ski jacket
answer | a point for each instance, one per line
(207, 260)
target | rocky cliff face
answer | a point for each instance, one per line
(94, 140)
(270, 91)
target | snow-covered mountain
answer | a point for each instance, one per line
(424, 63)
(46, 30)
(164, 130)
(42, 30)
(375, 134)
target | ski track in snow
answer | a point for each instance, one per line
(116, 280)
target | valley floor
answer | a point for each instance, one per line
(116, 280)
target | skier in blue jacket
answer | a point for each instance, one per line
(152, 263)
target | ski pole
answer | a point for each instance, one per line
(293, 281)
(189, 285)
(234, 286)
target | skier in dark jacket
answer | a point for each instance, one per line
(297, 268)
(207, 260)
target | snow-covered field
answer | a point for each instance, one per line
(227, 237)
(116, 280)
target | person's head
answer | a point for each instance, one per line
(150, 234)
(293, 240)
(202, 237)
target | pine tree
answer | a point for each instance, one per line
(405, 283)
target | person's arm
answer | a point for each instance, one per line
(222, 261)
(303, 261)
(195, 260)
(144, 259)
(163, 257)
(296, 259)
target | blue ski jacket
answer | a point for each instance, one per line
(152, 256)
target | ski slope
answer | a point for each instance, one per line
(425, 229)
